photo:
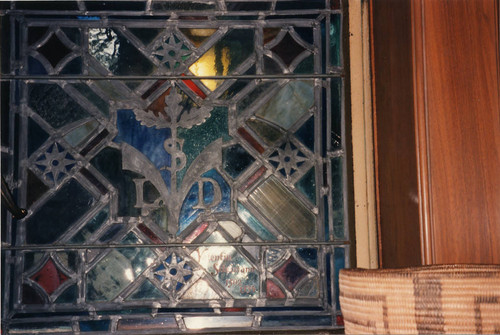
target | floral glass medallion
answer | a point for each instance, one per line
(182, 165)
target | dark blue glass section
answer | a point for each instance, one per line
(235, 159)
(306, 134)
(146, 35)
(35, 67)
(296, 320)
(50, 222)
(339, 259)
(36, 136)
(109, 163)
(96, 325)
(148, 141)
(328, 278)
(54, 105)
(309, 255)
(115, 5)
(338, 198)
(73, 34)
(47, 5)
(73, 67)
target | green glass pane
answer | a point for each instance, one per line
(251, 221)
(288, 104)
(336, 116)
(306, 66)
(338, 197)
(78, 135)
(147, 291)
(198, 137)
(68, 296)
(307, 185)
(268, 132)
(255, 94)
(54, 105)
(116, 271)
(284, 209)
(109, 277)
(91, 226)
(335, 40)
(93, 98)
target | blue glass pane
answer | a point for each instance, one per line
(339, 256)
(97, 325)
(35, 66)
(309, 255)
(306, 134)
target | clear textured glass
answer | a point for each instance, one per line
(181, 164)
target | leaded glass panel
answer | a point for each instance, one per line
(182, 164)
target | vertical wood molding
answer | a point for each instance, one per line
(362, 136)
(421, 130)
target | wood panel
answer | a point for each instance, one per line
(395, 159)
(436, 68)
(463, 119)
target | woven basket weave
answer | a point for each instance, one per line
(438, 299)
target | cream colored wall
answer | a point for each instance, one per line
(362, 136)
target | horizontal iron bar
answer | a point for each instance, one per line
(5, 77)
(172, 245)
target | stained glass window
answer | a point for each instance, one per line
(182, 164)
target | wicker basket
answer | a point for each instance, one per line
(435, 299)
